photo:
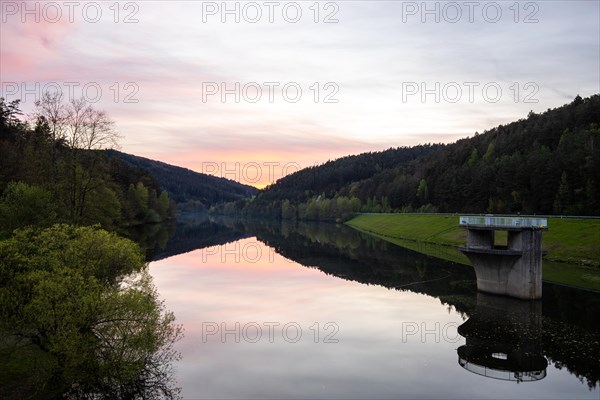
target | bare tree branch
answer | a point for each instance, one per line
(77, 122)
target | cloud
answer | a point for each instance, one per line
(162, 61)
(27, 47)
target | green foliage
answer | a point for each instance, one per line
(164, 205)
(24, 205)
(287, 210)
(489, 152)
(79, 316)
(89, 250)
(143, 206)
(473, 158)
(137, 196)
(103, 207)
(423, 191)
(64, 296)
(61, 182)
(341, 177)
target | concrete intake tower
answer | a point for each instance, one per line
(514, 269)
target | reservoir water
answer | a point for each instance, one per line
(322, 311)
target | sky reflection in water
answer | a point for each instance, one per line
(378, 353)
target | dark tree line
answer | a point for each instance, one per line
(547, 163)
(333, 176)
(51, 170)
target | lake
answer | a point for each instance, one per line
(313, 310)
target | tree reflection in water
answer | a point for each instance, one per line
(562, 329)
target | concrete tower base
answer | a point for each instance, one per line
(514, 270)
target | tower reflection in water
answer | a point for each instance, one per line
(503, 340)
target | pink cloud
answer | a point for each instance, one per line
(29, 47)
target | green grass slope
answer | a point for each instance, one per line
(573, 245)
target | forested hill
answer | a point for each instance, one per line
(545, 163)
(52, 170)
(187, 186)
(329, 178)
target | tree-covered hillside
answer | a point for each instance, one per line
(331, 177)
(52, 171)
(187, 186)
(547, 163)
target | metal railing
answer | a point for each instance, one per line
(504, 222)
(505, 375)
(497, 215)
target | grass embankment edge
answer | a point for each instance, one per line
(573, 257)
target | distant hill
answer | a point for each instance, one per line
(546, 163)
(186, 186)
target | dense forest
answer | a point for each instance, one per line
(547, 163)
(189, 189)
(53, 171)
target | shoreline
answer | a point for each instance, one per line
(438, 235)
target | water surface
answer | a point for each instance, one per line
(322, 311)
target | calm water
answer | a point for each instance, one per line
(319, 311)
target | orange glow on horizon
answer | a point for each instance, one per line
(257, 169)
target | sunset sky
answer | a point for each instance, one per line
(372, 58)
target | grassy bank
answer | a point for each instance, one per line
(572, 244)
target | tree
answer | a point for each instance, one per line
(312, 210)
(65, 298)
(9, 113)
(355, 204)
(473, 157)
(489, 152)
(77, 122)
(344, 208)
(138, 200)
(51, 110)
(79, 126)
(23, 205)
(423, 191)
(164, 205)
(563, 195)
(287, 210)
(101, 206)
